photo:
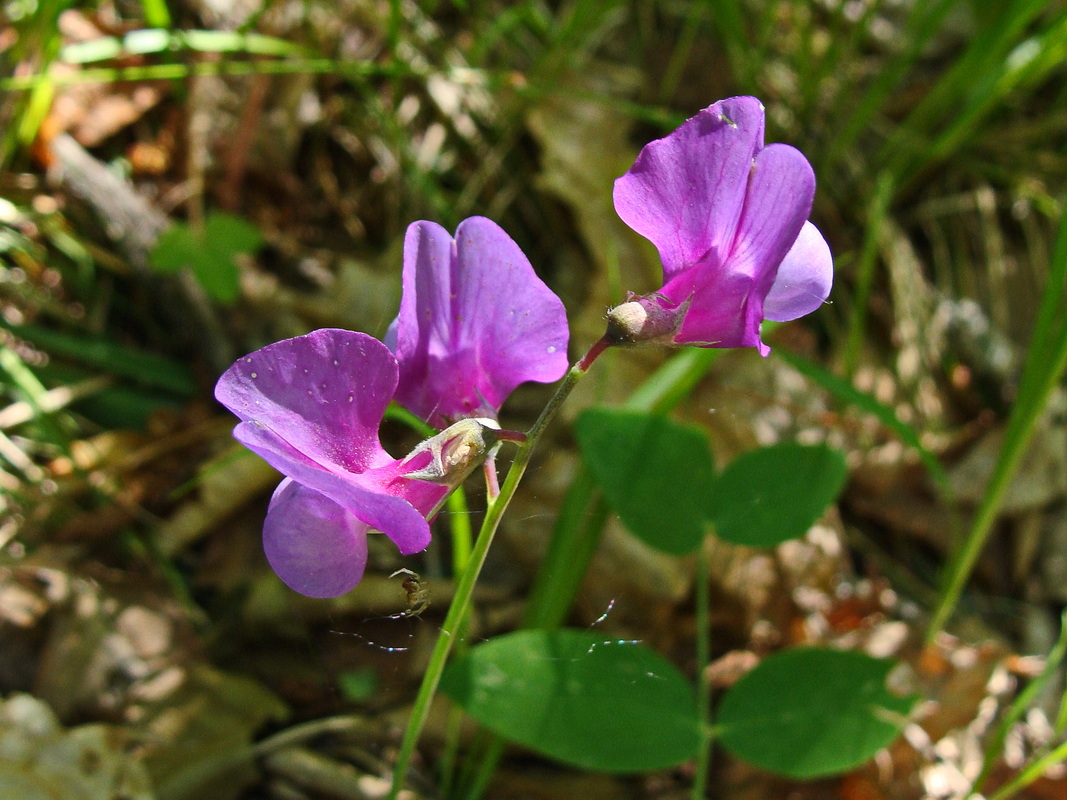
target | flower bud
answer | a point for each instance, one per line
(645, 321)
(454, 453)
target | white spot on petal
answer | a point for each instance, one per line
(255, 374)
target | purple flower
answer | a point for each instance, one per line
(729, 218)
(311, 407)
(475, 321)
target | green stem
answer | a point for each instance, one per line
(486, 768)
(459, 522)
(1021, 704)
(574, 540)
(1031, 773)
(581, 522)
(703, 656)
(1045, 363)
(459, 610)
(462, 543)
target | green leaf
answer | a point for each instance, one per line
(175, 249)
(656, 474)
(218, 274)
(772, 494)
(579, 698)
(231, 235)
(809, 712)
(209, 254)
(358, 685)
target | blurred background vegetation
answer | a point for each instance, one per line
(182, 182)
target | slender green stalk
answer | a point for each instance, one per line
(459, 524)
(1022, 703)
(459, 610)
(879, 207)
(1045, 363)
(486, 767)
(462, 545)
(1031, 773)
(581, 523)
(584, 512)
(574, 540)
(150, 72)
(703, 655)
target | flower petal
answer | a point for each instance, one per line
(804, 278)
(424, 496)
(726, 299)
(323, 393)
(475, 321)
(780, 193)
(779, 199)
(720, 309)
(422, 335)
(509, 317)
(383, 507)
(315, 546)
(685, 192)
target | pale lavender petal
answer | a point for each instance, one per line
(475, 321)
(323, 393)
(804, 278)
(363, 496)
(389, 339)
(685, 192)
(314, 545)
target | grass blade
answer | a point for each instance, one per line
(1045, 362)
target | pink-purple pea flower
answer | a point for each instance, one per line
(729, 218)
(475, 321)
(311, 407)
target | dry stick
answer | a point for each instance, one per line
(237, 155)
(134, 225)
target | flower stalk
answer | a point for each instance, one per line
(459, 610)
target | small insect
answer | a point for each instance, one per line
(417, 592)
